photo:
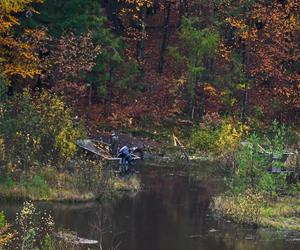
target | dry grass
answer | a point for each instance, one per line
(282, 213)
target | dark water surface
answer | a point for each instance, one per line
(172, 213)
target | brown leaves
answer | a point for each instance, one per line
(5, 236)
(75, 54)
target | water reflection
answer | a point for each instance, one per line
(172, 213)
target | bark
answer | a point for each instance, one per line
(109, 97)
(247, 47)
(141, 42)
(164, 44)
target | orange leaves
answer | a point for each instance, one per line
(224, 51)
(5, 235)
(239, 24)
(277, 47)
(210, 89)
(76, 54)
(17, 56)
(268, 35)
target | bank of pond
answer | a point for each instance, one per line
(174, 208)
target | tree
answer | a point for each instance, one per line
(80, 18)
(198, 47)
(266, 37)
(17, 56)
(74, 57)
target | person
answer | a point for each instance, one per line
(125, 154)
(114, 143)
(126, 160)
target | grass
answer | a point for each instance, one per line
(281, 213)
(284, 213)
(49, 184)
(19, 192)
(131, 183)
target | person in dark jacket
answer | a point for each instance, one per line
(114, 144)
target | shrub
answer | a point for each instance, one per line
(37, 128)
(254, 161)
(2, 220)
(243, 208)
(204, 139)
(5, 235)
(218, 136)
(32, 227)
(230, 135)
(251, 166)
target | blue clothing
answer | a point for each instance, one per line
(124, 153)
(124, 150)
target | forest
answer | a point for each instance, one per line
(210, 87)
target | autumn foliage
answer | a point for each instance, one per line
(139, 64)
(17, 58)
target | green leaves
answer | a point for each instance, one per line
(2, 220)
(199, 43)
(37, 129)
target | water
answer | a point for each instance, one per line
(172, 213)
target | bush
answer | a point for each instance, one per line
(5, 235)
(32, 227)
(2, 220)
(254, 161)
(230, 135)
(204, 139)
(221, 137)
(243, 208)
(37, 129)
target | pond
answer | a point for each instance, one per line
(171, 213)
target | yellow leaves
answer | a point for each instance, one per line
(133, 11)
(139, 3)
(231, 133)
(291, 24)
(243, 30)
(182, 81)
(17, 57)
(56, 116)
(239, 24)
(15, 6)
(241, 208)
(10, 70)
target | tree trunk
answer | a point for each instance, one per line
(109, 97)
(141, 42)
(167, 12)
(183, 8)
(247, 47)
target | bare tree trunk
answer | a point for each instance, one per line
(183, 8)
(167, 12)
(90, 94)
(245, 103)
(193, 96)
(202, 100)
(109, 98)
(141, 42)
